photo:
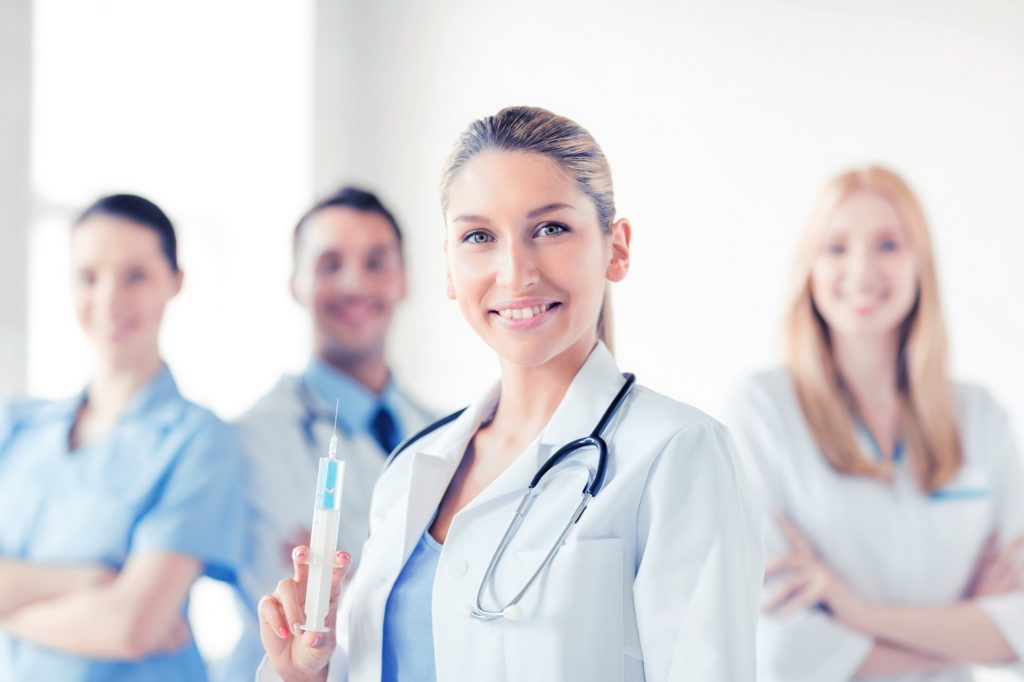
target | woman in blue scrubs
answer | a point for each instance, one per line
(112, 503)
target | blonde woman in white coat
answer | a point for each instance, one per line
(896, 495)
(658, 580)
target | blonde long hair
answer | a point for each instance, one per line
(926, 397)
(567, 143)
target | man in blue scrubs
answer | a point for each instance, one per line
(349, 275)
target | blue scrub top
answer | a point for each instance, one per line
(167, 478)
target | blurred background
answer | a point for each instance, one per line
(720, 119)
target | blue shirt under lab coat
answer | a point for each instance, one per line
(167, 478)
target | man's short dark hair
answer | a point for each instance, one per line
(347, 197)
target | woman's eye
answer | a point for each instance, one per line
(86, 278)
(551, 230)
(477, 237)
(135, 276)
(888, 245)
(835, 249)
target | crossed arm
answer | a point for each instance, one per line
(23, 583)
(907, 639)
(92, 612)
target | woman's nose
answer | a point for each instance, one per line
(108, 293)
(861, 267)
(517, 269)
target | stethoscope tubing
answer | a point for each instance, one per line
(594, 485)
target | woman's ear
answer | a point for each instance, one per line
(621, 234)
(179, 281)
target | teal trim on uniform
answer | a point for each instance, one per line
(959, 494)
(897, 452)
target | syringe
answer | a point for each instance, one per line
(323, 541)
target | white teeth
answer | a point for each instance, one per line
(524, 313)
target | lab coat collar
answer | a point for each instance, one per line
(452, 442)
(589, 395)
(433, 465)
(434, 462)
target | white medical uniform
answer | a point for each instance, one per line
(283, 462)
(659, 580)
(891, 543)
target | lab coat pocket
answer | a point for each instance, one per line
(571, 622)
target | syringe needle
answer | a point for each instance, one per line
(332, 448)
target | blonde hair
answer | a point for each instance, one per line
(926, 396)
(567, 143)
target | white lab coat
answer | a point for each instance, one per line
(659, 580)
(890, 543)
(282, 473)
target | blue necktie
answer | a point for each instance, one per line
(383, 430)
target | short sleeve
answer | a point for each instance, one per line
(198, 510)
(701, 562)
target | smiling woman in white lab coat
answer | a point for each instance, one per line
(897, 495)
(658, 580)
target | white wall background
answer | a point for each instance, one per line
(206, 108)
(720, 119)
(15, 193)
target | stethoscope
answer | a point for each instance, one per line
(512, 610)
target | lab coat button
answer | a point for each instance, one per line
(458, 568)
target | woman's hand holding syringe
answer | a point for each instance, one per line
(300, 655)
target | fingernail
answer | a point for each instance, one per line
(298, 552)
(282, 632)
(315, 642)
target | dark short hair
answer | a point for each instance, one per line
(347, 197)
(142, 212)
